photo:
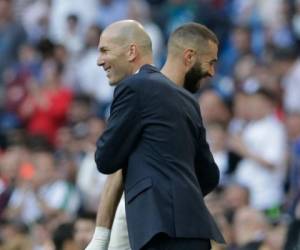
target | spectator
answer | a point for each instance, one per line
(217, 140)
(60, 10)
(275, 238)
(25, 72)
(250, 228)
(287, 67)
(262, 145)
(213, 108)
(12, 35)
(63, 237)
(41, 234)
(44, 110)
(139, 10)
(178, 12)
(87, 175)
(236, 197)
(109, 11)
(44, 195)
(72, 38)
(240, 113)
(239, 46)
(293, 129)
(9, 166)
(14, 235)
(35, 17)
(84, 229)
(14, 163)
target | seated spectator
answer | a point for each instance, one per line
(63, 237)
(293, 130)
(287, 69)
(12, 36)
(293, 196)
(84, 227)
(14, 236)
(275, 238)
(240, 112)
(45, 108)
(226, 160)
(262, 144)
(235, 197)
(250, 228)
(87, 175)
(41, 234)
(13, 164)
(213, 108)
(44, 195)
(139, 10)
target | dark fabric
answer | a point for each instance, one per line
(4, 198)
(293, 236)
(155, 133)
(164, 242)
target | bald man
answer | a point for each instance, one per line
(112, 47)
(164, 196)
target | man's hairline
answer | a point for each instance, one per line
(180, 47)
(123, 42)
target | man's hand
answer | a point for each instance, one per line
(100, 239)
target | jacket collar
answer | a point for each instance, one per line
(149, 68)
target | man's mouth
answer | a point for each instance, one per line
(106, 68)
(107, 71)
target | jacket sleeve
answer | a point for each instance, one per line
(122, 132)
(207, 171)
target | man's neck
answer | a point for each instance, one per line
(138, 64)
(170, 71)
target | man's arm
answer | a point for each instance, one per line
(207, 171)
(237, 145)
(121, 134)
(109, 201)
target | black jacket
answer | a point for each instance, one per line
(155, 133)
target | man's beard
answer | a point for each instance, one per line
(193, 77)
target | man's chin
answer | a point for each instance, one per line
(112, 83)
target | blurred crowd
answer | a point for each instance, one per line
(54, 102)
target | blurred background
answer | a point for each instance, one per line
(54, 102)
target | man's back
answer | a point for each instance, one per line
(170, 167)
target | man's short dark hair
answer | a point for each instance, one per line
(192, 34)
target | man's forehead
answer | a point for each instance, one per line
(211, 51)
(104, 41)
(108, 39)
(213, 45)
(104, 37)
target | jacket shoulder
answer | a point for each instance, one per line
(133, 81)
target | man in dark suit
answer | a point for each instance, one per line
(155, 132)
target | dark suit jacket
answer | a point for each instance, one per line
(155, 130)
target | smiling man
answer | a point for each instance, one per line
(119, 56)
(156, 136)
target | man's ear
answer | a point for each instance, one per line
(132, 52)
(189, 57)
